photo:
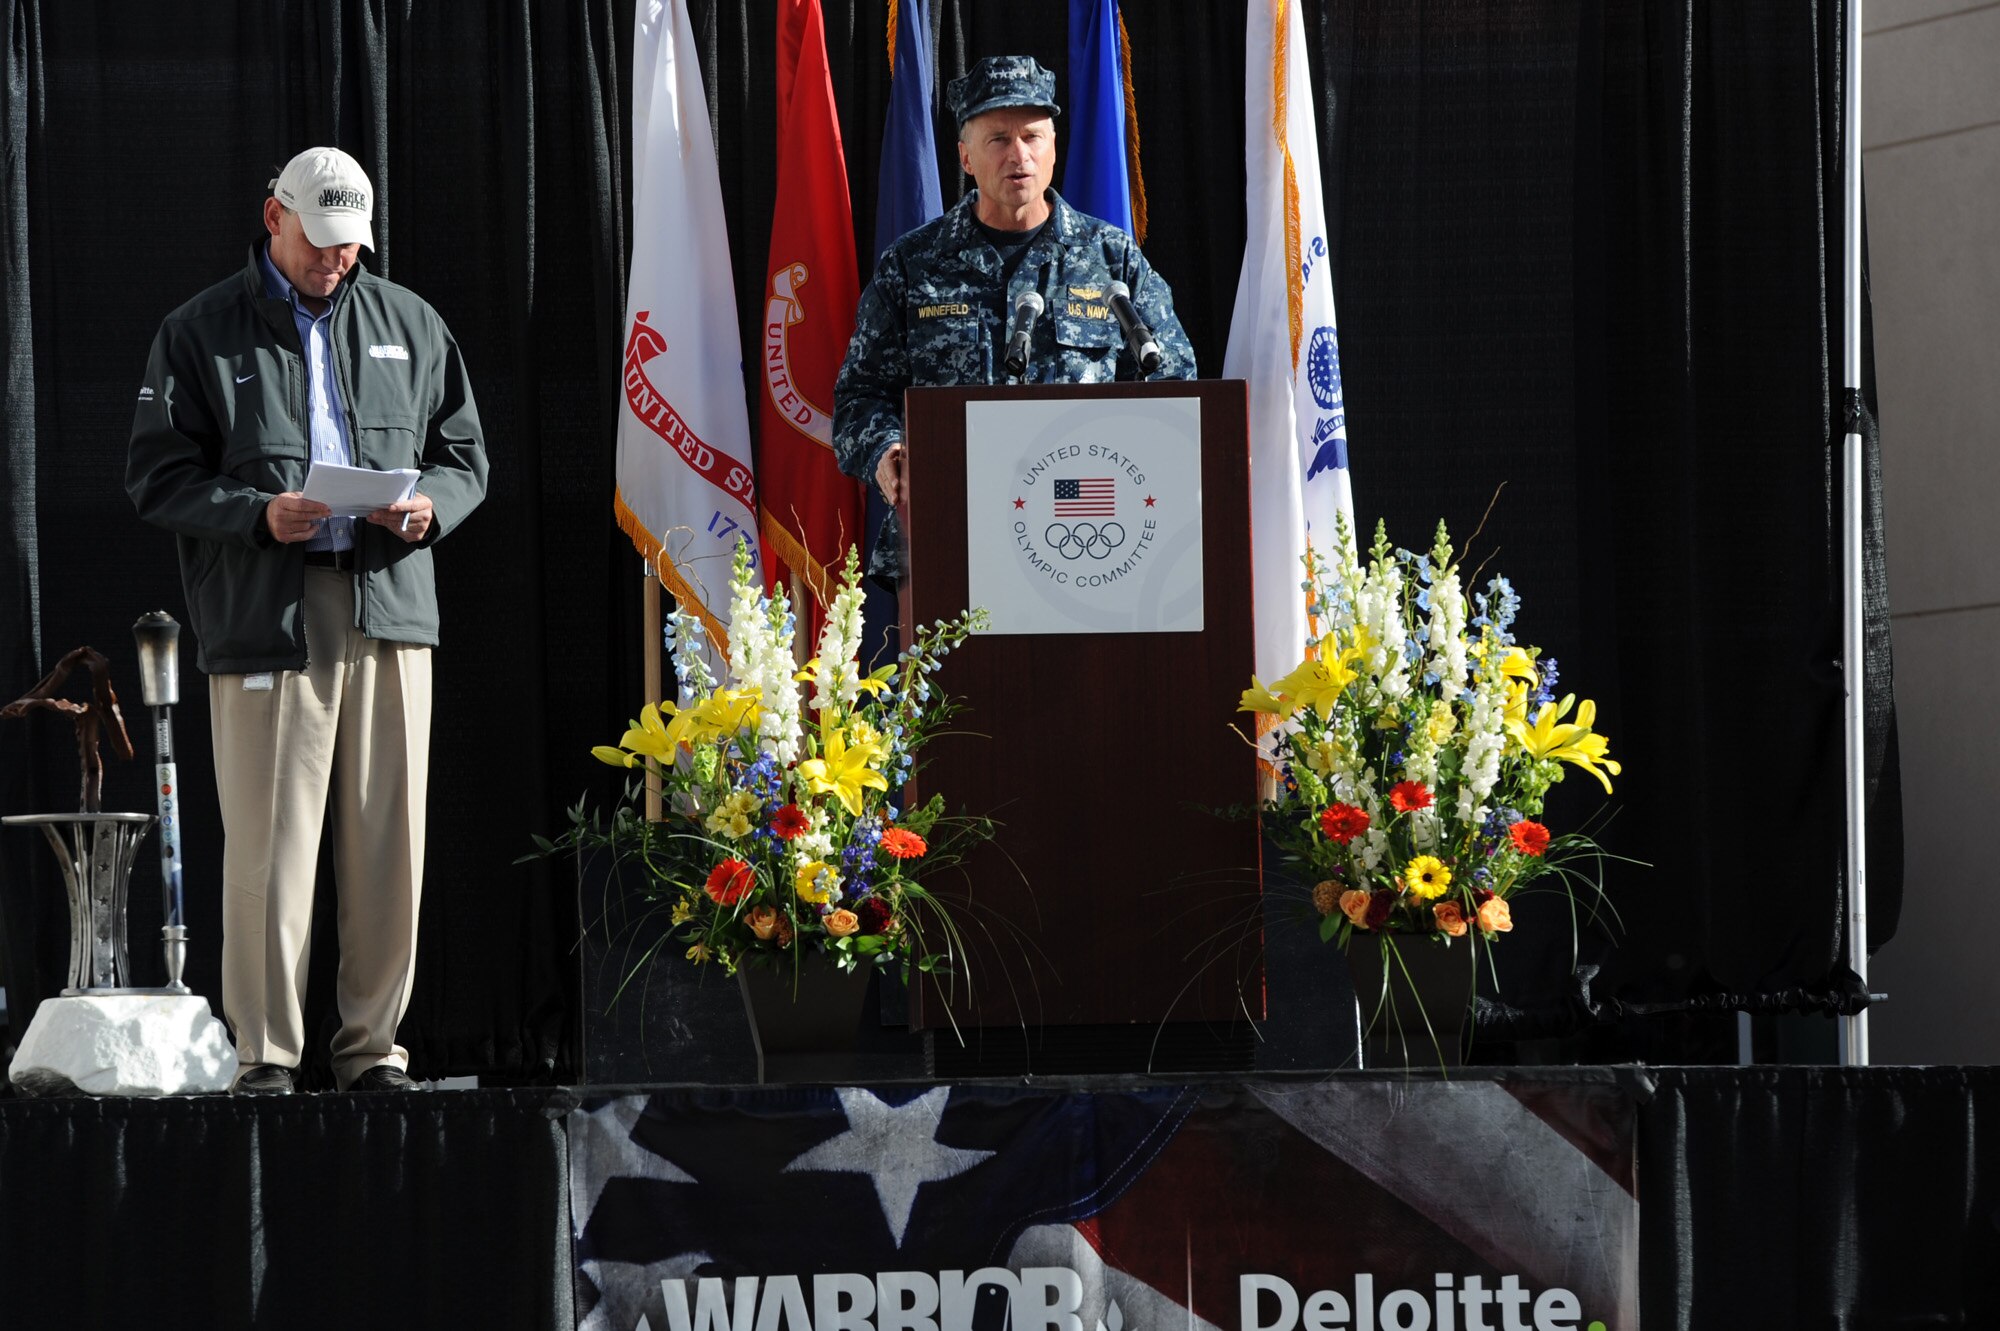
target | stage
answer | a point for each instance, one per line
(1766, 1197)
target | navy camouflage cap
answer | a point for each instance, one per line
(1002, 80)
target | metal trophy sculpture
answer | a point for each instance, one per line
(104, 1035)
(160, 688)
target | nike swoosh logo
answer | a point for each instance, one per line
(246, 378)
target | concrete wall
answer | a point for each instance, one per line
(1931, 168)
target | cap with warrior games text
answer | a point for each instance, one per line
(331, 194)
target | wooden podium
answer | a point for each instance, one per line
(1115, 893)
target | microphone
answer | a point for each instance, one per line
(1026, 310)
(1145, 348)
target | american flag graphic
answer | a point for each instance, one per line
(1161, 1199)
(1090, 497)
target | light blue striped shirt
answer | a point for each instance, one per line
(326, 417)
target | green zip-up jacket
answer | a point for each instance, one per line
(221, 427)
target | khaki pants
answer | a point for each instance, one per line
(345, 742)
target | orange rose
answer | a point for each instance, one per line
(1326, 896)
(842, 923)
(763, 921)
(1450, 919)
(1354, 904)
(1495, 918)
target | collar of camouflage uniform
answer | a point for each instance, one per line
(966, 236)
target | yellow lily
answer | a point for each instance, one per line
(723, 714)
(1550, 738)
(843, 770)
(1517, 664)
(1257, 698)
(650, 738)
(1316, 683)
(871, 684)
(1518, 668)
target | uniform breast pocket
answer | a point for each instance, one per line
(1088, 340)
(387, 442)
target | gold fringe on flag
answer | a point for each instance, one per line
(791, 550)
(892, 38)
(1294, 293)
(1137, 178)
(654, 551)
(1312, 619)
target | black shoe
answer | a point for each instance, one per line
(383, 1077)
(263, 1079)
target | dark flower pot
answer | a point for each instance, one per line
(806, 1016)
(1424, 1016)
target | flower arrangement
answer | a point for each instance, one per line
(782, 835)
(1413, 750)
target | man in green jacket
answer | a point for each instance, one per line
(314, 628)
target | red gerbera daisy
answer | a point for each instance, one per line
(729, 881)
(1343, 822)
(1529, 837)
(1409, 796)
(789, 821)
(903, 843)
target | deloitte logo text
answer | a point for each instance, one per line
(1039, 1298)
(1458, 1303)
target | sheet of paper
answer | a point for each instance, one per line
(355, 492)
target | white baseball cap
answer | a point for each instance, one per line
(331, 194)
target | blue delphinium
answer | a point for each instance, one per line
(1545, 691)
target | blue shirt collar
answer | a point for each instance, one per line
(278, 287)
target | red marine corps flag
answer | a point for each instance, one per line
(685, 488)
(810, 512)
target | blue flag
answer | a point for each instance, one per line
(1096, 178)
(909, 195)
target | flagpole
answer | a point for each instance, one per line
(651, 628)
(1854, 1029)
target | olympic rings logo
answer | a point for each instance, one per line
(1085, 538)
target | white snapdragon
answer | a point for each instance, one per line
(760, 657)
(1486, 738)
(1379, 610)
(1447, 626)
(1374, 846)
(815, 843)
(1425, 833)
(839, 680)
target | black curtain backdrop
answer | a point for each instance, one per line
(1592, 253)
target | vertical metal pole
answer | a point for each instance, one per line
(1854, 1029)
(652, 625)
(167, 791)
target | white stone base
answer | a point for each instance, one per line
(125, 1044)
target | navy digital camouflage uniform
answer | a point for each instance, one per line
(936, 314)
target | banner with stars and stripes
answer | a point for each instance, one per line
(1359, 1204)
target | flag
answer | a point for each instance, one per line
(1282, 339)
(1149, 1208)
(907, 195)
(686, 488)
(811, 511)
(1093, 497)
(1101, 159)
